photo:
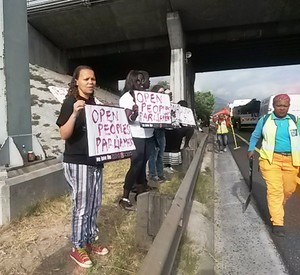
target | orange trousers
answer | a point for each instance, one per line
(281, 181)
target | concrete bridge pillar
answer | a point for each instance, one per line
(177, 66)
(182, 75)
(190, 81)
(20, 187)
(15, 99)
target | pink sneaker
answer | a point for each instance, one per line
(100, 250)
(80, 256)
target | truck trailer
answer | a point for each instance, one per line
(246, 116)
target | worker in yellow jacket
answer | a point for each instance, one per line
(222, 125)
(279, 159)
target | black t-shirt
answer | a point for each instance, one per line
(76, 147)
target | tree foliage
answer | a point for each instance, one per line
(164, 83)
(204, 105)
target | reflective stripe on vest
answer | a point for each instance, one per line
(222, 128)
(268, 143)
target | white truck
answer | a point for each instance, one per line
(245, 115)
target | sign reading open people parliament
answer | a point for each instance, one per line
(182, 115)
(186, 116)
(108, 132)
(154, 109)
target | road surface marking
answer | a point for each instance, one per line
(246, 141)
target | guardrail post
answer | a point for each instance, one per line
(188, 153)
(152, 208)
(143, 239)
(187, 157)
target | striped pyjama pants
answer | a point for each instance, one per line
(86, 184)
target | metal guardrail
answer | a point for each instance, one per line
(161, 256)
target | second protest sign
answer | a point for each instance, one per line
(154, 109)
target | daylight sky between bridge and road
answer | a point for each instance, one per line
(256, 83)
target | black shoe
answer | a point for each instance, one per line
(278, 230)
(126, 204)
(154, 178)
(162, 178)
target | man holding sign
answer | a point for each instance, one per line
(155, 163)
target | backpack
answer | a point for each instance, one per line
(267, 116)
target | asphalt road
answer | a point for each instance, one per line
(289, 246)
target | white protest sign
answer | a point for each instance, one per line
(186, 116)
(61, 92)
(154, 109)
(108, 132)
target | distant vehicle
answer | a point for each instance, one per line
(245, 116)
(266, 105)
(238, 102)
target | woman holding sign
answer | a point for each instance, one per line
(82, 172)
(142, 137)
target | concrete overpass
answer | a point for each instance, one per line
(115, 36)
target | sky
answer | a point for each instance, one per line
(256, 83)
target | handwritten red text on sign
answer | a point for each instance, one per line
(153, 107)
(108, 130)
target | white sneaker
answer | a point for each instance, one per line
(168, 170)
(225, 150)
(173, 170)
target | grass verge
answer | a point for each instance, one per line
(187, 258)
(204, 190)
(190, 256)
(47, 226)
